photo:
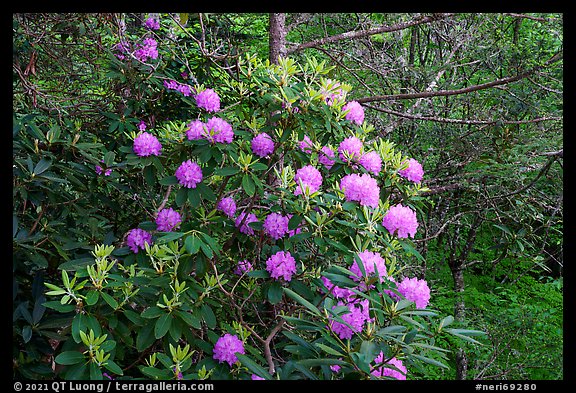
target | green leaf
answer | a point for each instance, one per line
(42, 166)
(152, 312)
(26, 333)
(194, 197)
(113, 367)
(56, 305)
(170, 237)
(69, 357)
(302, 301)
(110, 300)
(162, 325)
(181, 196)
(192, 244)
(145, 337)
(208, 316)
(95, 372)
(329, 350)
(445, 322)
(189, 319)
(92, 298)
(168, 180)
(275, 292)
(248, 185)
(253, 366)
(109, 158)
(226, 171)
(430, 361)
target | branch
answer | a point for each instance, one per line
(363, 33)
(469, 89)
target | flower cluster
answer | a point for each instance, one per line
(372, 162)
(242, 224)
(148, 49)
(243, 267)
(357, 317)
(305, 144)
(276, 225)
(179, 87)
(219, 130)
(384, 371)
(208, 100)
(414, 172)
(307, 178)
(147, 144)
(350, 149)
(326, 157)
(168, 220)
(415, 290)
(99, 170)
(361, 188)
(336, 291)
(262, 145)
(281, 265)
(355, 112)
(371, 261)
(402, 220)
(227, 206)
(195, 130)
(137, 238)
(152, 23)
(227, 347)
(189, 174)
(142, 125)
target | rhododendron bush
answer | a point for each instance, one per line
(274, 239)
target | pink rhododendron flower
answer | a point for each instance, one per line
(168, 220)
(227, 347)
(371, 261)
(244, 227)
(219, 131)
(311, 180)
(415, 290)
(326, 157)
(356, 112)
(195, 130)
(402, 220)
(305, 144)
(384, 371)
(136, 239)
(189, 174)
(276, 225)
(243, 267)
(372, 162)
(227, 206)
(414, 172)
(147, 144)
(262, 145)
(356, 318)
(281, 265)
(208, 100)
(361, 188)
(352, 146)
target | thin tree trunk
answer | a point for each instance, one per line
(277, 37)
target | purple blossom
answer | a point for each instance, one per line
(372, 162)
(384, 371)
(152, 23)
(123, 48)
(401, 219)
(179, 87)
(244, 227)
(255, 377)
(208, 100)
(142, 125)
(352, 147)
(243, 267)
(227, 206)
(306, 144)
(281, 265)
(414, 172)
(147, 144)
(326, 157)
(227, 347)
(415, 290)
(335, 368)
(262, 145)
(189, 174)
(361, 188)
(100, 170)
(358, 315)
(276, 225)
(310, 178)
(147, 50)
(219, 131)
(336, 291)
(136, 239)
(371, 262)
(195, 130)
(167, 220)
(356, 112)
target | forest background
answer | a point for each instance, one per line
(476, 98)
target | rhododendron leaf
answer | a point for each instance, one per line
(145, 337)
(95, 372)
(189, 319)
(208, 316)
(192, 244)
(253, 366)
(181, 196)
(430, 361)
(329, 350)
(168, 180)
(248, 185)
(69, 357)
(162, 325)
(194, 197)
(170, 236)
(113, 367)
(226, 171)
(302, 301)
(275, 292)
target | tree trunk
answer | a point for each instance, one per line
(459, 315)
(277, 37)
